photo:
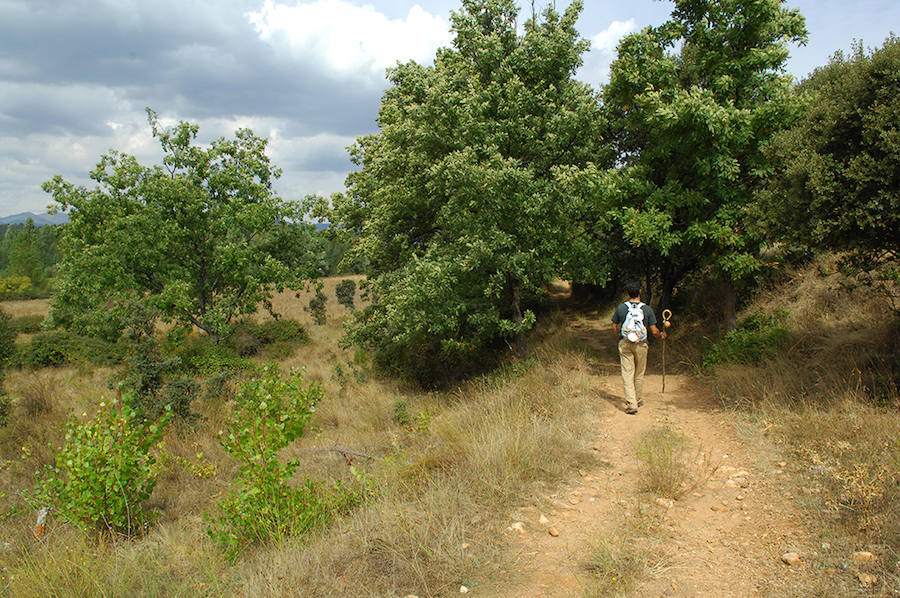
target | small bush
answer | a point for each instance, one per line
(345, 291)
(57, 348)
(281, 330)
(271, 412)
(105, 472)
(757, 337)
(27, 324)
(317, 306)
(15, 287)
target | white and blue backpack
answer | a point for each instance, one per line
(633, 328)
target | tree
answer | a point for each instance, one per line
(455, 209)
(838, 185)
(690, 127)
(202, 238)
(25, 253)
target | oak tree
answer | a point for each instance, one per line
(201, 238)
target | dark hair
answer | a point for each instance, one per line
(633, 289)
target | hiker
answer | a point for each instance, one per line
(631, 321)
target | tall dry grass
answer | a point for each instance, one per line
(829, 399)
(445, 479)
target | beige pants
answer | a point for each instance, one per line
(633, 357)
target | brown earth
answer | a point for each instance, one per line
(725, 537)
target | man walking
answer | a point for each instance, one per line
(631, 321)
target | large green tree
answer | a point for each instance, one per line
(456, 207)
(200, 239)
(692, 103)
(838, 182)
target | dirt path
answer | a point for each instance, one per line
(726, 537)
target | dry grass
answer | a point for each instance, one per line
(446, 477)
(26, 307)
(619, 560)
(829, 398)
(669, 468)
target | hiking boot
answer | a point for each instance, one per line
(640, 402)
(630, 410)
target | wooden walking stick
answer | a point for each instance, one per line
(666, 314)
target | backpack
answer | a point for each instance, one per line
(633, 328)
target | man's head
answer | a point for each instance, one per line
(633, 289)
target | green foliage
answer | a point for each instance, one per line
(105, 472)
(459, 215)
(15, 287)
(345, 291)
(7, 350)
(838, 164)
(155, 388)
(692, 104)
(271, 411)
(757, 337)
(56, 348)
(401, 413)
(273, 337)
(317, 305)
(202, 239)
(28, 257)
(27, 324)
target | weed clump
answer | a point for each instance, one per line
(666, 468)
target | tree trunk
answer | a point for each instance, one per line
(668, 286)
(520, 345)
(729, 305)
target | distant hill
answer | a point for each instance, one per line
(39, 219)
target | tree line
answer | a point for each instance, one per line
(495, 171)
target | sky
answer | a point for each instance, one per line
(77, 75)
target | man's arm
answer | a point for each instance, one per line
(615, 328)
(655, 331)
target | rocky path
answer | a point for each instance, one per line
(725, 537)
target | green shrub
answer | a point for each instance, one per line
(15, 287)
(277, 337)
(106, 471)
(271, 412)
(283, 329)
(317, 306)
(345, 292)
(758, 336)
(7, 350)
(56, 348)
(27, 324)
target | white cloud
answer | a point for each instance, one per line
(603, 51)
(350, 40)
(606, 40)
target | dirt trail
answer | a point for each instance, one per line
(725, 538)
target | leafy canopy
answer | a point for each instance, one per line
(455, 205)
(201, 238)
(693, 103)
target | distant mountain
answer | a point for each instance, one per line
(39, 219)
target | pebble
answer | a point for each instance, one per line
(719, 508)
(667, 503)
(790, 558)
(863, 558)
(544, 519)
(866, 579)
(739, 497)
(463, 590)
(553, 531)
(517, 526)
(466, 546)
(574, 500)
(410, 596)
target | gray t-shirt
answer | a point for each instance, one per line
(622, 312)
